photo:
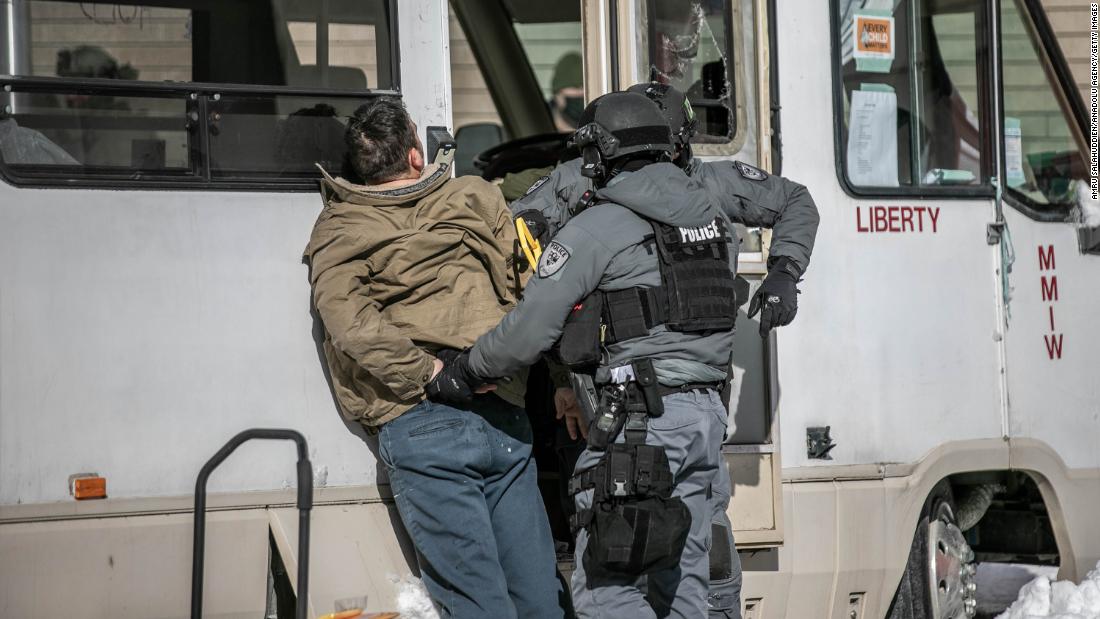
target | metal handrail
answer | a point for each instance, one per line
(305, 504)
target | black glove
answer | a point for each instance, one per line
(777, 297)
(455, 383)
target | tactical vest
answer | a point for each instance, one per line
(696, 294)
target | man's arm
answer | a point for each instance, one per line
(358, 330)
(769, 202)
(553, 195)
(570, 268)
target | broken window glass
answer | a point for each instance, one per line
(689, 43)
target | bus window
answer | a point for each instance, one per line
(276, 43)
(554, 51)
(134, 93)
(914, 91)
(706, 49)
(1045, 164)
(518, 113)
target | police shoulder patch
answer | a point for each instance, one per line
(750, 172)
(534, 186)
(553, 259)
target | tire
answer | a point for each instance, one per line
(924, 592)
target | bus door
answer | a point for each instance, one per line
(1052, 217)
(714, 53)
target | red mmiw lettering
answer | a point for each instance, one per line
(1054, 345)
(1050, 288)
(1046, 258)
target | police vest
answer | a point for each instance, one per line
(696, 294)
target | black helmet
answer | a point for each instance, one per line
(620, 124)
(675, 106)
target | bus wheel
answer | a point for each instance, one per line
(938, 582)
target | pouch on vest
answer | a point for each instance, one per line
(696, 277)
(579, 344)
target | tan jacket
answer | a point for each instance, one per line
(399, 272)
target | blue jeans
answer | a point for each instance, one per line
(465, 487)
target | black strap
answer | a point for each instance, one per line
(635, 428)
(585, 480)
(580, 520)
(686, 387)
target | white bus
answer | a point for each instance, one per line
(936, 402)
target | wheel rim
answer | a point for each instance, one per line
(950, 568)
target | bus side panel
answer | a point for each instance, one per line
(133, 568)
(139, 331)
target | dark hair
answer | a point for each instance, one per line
(379, 137)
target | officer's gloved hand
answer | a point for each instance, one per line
(455, 383)
(777, 297)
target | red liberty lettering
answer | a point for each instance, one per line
(907, 218)
(880, 219)
(859, 221)
(934, 214)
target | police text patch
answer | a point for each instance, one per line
(553, 259)
(750, 172)
(539, 183)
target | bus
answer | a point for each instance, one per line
(934, 405)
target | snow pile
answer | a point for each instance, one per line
(1042, 599)
(413, 601)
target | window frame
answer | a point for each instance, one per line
(988, 144)
(201, 93)
(1051, 53)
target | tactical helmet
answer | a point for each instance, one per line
(620, 124)
(675, 106)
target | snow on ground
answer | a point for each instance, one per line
(999, 584)
(1026, 591)
(1042, 599)
(412, 598)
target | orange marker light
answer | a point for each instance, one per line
(88, 487)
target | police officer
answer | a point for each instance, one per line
(747, 196)
(657, 255)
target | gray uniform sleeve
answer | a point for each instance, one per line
(772, 202)
(571, 267)
(554, 194)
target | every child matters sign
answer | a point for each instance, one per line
(873, 42)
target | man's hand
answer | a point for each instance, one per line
(565, 402)
(452, 380)
(777, 297)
